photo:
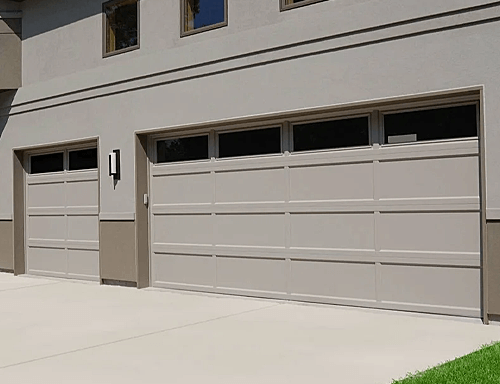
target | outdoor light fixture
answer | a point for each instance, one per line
(114, 164)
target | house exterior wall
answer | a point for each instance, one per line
(6, 246)
(353, 64)
(10, 47)
(265, 62)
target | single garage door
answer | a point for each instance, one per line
(378, 209)
(62, 236)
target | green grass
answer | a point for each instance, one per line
(480, 367)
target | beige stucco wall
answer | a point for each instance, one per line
(117, 250)
(6, 245)
(368, 51)
(493, 249)
(10, 51)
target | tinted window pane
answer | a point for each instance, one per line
(84, 159)
(247, 143)
(121, 25)
(433, 124)
(183, 149)
(202, 13)
(331, 134)
(53, 162)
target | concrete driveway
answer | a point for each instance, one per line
(56, 331)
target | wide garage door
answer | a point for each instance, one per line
(62, 223)
(378, 209)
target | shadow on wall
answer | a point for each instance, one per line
(68, 12)
(6, 99)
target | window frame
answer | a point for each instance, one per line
(185, 33)
(50, 152)
(247, 129)
(429, 107)
(83, 148)
(106, 54)
(322, 120)
(65, 150)
(180, 136)
(284, 7)
(374, 112)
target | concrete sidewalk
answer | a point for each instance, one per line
(56, 331)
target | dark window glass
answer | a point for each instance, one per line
(202, 13)
(83, 159)
(183, 149)
(331, 134)
(53, 162)
(432, 124)
(248, 143)
(121, 25)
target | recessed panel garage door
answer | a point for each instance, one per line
(376, 210)
(62, 214)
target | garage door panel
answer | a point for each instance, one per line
(384, 228)
(336, 231)
(46, 195)
(47, 227)
(427, 178)
(265, 230)
(251, 274)
(82, 194)
(184, 269)
(183, 229)
(250, 186)
(183, 189)
(47, 260)
(430, 231)
(333, 279)
(62, 224)
(332, 182)
(83, 228)
(83, 264)
(441, 286)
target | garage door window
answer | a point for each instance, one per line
(52, 162)
(250, 143)
(331, 134)
(182, 149)
(83, 159)
(431, 124)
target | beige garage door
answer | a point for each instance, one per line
(62, 214)
(376, 210)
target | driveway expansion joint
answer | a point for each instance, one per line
(139, 336)
(29, 286)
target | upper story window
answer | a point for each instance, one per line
(289, 4)
(121, 26)
(202, 15)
